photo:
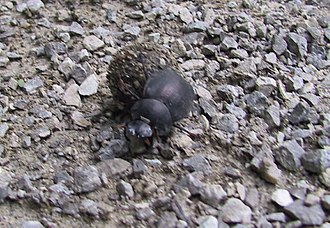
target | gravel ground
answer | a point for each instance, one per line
(255, 151)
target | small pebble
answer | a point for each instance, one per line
(282, 197)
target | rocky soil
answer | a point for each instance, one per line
(255, 149)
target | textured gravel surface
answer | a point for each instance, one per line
(253, 152)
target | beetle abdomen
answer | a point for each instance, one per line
(172, 90)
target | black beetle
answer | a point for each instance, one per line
(143, 80)
(167, 98)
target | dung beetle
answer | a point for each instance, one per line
(143, 80)
(167, 98)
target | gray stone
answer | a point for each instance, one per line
(76, 29)
(40, 112)
(193, 184)
(324, 177)
(83, 55)
(198, 26)
(137, 14)
(64, 36)
(79, 119)
(326, 202)
(282, 197)
(301, 133)
(235, 211)
(12, 83)
(261, 29)
(153, 162)
(154, 37)
(327, 34)
(193, 64)
(89, 207)
(272, 116)
(228, 43)
(276, 217)
(3, 129)
(323, 20)
(311, 99)
(300, 113)
(232, 172)
(31, 224)
(115, 166)
(239, 53)
(86, 179)
(294, 83)
(63, 177)
(89, 86)
(228, 123)
(185, 15)
(33, 84)
(209, 50)
(3, 193)
(4, 60)
(279, 45)
(139, 168)
(262, 222)
(207, 221)
(78, 73)
(271, 58)
(209, 108)
(212, 195)
(297, 44)
(178, 48)
(53, 48)
(111, 15)
(131, 31)
(144, 213)
(125, 189)
(181, 206)
(228, 92)
(66, 67)
(70, 209)
(34, 5)
(252, 197)
(197, 163)
(209, 16)
(202, 92)
(21, 7)
(314, 32)
(2, 149)
(256, 102)
(71, 96)
(316, 161)
(323, 141)
(309, 216)
(25, 183)
(269, 171)
(293, 224)
(168, 220)
(212, 68)
(115, 148)
(13, 56)
(5, 178)
(311, 200)
(232, 4)
(266, 85)
(241, 190)
(289, 154)
(298, 192)
(235, 110)
(92, 43)
(247, 27)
